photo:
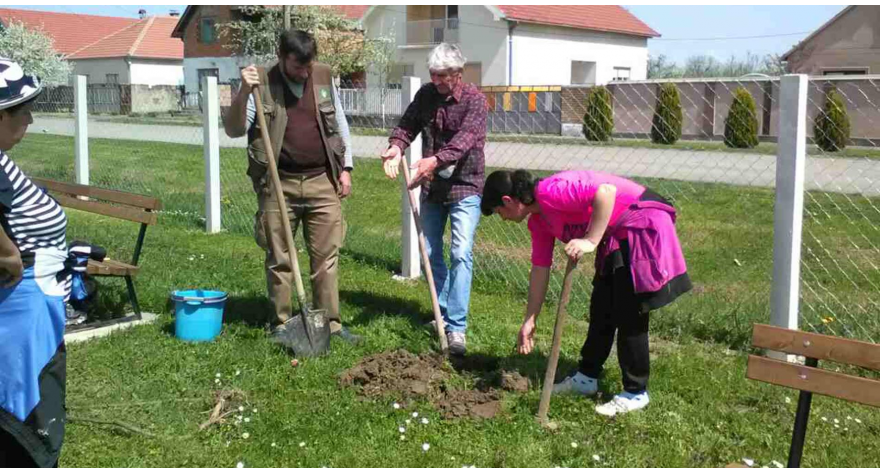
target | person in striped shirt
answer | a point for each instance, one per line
(33, 289)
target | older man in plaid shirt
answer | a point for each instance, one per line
(451, 116)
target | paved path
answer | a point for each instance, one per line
(859, 176)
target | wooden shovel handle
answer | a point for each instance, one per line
(550, 374)
(426, 262)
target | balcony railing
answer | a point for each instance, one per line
(432, 31)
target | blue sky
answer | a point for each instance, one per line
(698, 21)
(684, 28)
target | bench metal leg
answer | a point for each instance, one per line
(800, 423)
(132, 296)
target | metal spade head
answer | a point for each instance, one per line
(307, 333)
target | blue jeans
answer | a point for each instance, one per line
(453, 284)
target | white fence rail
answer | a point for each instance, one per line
(372, 101)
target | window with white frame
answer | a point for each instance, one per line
(621, 74)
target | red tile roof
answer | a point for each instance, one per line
(352, 12)
(92, 36)
(611, 18)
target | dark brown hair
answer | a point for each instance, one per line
(298, 43)
(519, 184)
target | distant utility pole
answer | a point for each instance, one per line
(286, 17)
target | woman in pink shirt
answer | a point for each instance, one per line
(639, 265)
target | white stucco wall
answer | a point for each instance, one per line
(542, 55)
(156, 73)
(482, 40)
(97, 69)
(385, 20)
(228, 69)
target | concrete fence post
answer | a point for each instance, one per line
(410, 267)
(789, 209)
(210, 124)
(81, 129)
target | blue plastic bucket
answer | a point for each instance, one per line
(198, 314)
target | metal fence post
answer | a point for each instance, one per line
(81, 129)
(211, 144)
(409, 267)
(789, 210)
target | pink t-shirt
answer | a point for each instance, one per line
(566, 202)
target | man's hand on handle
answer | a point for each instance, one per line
(249, 78)
(424, 171)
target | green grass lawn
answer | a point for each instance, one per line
(703, 410)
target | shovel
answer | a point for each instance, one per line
(550, 374)
(426, 263)
(307, 332)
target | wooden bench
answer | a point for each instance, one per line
(106, 202)
(808, 378)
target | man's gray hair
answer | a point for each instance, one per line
(446, 56)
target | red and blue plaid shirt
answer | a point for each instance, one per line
(453, 130)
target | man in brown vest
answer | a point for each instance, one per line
(311, 143)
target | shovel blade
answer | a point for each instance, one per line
(308, 332)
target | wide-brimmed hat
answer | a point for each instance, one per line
(16, 86)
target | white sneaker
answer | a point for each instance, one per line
(624, 403)
(579, 383)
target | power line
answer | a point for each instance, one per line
(726, 38)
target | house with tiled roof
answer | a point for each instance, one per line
(111, 49)
(207, 51)
(519, 45)
(504, 44)
(847, 44)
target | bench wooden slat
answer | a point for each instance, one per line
(127, 213)
(118, 197)
(111, 268)
(817, 346)
(814, 380)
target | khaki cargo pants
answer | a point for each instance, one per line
(312, 201)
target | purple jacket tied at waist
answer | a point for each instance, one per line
(655, 253)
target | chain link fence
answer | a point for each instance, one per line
(719, 172)
(545, 129)
(840, 264)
